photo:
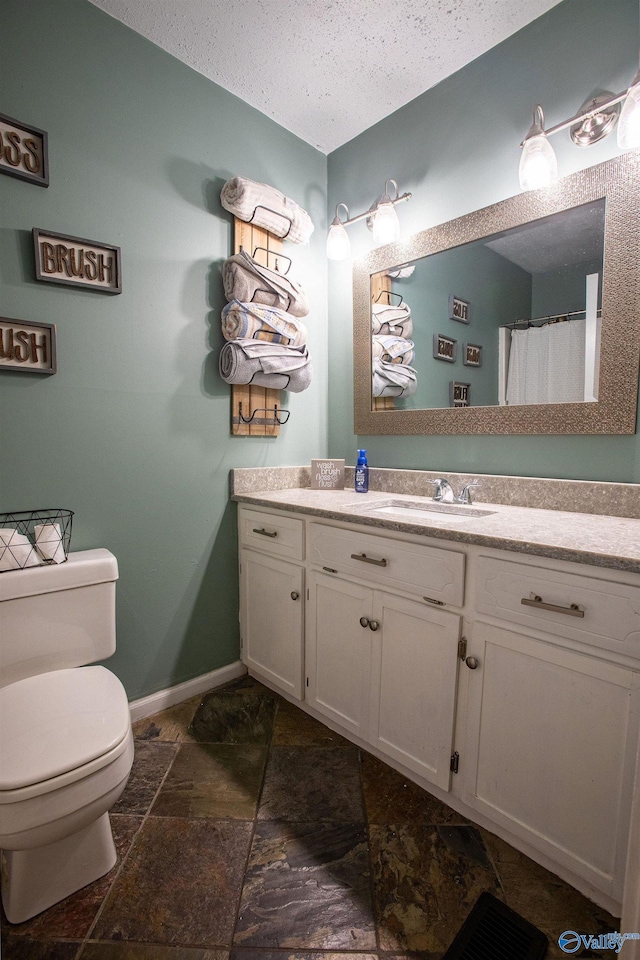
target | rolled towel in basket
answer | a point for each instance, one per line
(392, 349)
(266, 207)
(391, 320)
(254, 321)
(262, 364)
(16, 551)
(49, 541)
(392, 379)
(246, 280)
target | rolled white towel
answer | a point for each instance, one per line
(271, 365)
(246, 280)
(392, 349)
(391, 320)
(392, 379)
(253, 321)
(16, 551)
(49, 542)
(266, 207)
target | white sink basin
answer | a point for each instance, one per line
(428, 510)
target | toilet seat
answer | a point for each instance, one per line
(58, 728)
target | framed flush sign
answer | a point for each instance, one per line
(458, 394)
(444, 348)
(77, 262)
(472, 355)
(23, 151)
(28, 347)
(459, 309)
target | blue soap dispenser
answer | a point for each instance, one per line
(362, 473)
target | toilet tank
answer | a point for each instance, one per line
(57, 616)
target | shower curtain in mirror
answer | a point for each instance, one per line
(546, 364)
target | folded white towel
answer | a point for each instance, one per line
(49, 542)
(266, 365)
(254, 321)
(391, 320)
(392, 349)
(246, 280)
(16, 551)
(266, 207)
(392, 379)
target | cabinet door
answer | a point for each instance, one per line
(271, 619)
(550, 753)
(338, 651)
(413, 685)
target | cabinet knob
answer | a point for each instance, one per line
(364, 622)
(373, 625)
(294, 594)
(472, 663)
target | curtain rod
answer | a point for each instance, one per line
(552, 318)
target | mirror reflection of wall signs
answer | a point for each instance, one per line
(27, 347)
(444, 348)
(459, 309)
(23, 151)
(458, 394)
(76, 261)
(471, 355)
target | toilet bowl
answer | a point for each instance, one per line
(66, 745)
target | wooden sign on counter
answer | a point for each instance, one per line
(27, 347)
(23, 151)
(77, 262)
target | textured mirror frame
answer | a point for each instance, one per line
(618, 181)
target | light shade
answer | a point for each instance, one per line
(386, 226)
(338, 245)
(538, 163)
(629, 122)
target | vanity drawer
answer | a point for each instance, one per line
(600, 612)
(413, 568)
(272, 533)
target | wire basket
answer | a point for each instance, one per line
(34, 538)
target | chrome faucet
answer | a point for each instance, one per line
(465, 496)
(444, 490)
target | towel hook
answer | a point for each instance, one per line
(272, 410)
(390, 293)
(278, 256)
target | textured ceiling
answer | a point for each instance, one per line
(326, 69)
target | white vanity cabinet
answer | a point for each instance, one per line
(272, 590)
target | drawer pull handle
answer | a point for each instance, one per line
(571, 611)
(294, 594)
(329, 569)
(373, 625)
(366, 559)
(265, 533)
(364, 622)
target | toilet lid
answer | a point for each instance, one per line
(56, 722)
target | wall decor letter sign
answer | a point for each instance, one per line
(459, 394)
(472, 354)
(28, 347)
(459, 309)
(444, 348)
(23, 151)
(76, 261)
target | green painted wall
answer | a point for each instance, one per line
(456, 148)
(132, 433)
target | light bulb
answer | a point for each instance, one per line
(386, 226)
(538, 164)
(629, 122)
(338, 245)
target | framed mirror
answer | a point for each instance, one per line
(520, 318)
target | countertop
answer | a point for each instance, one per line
(598, 540)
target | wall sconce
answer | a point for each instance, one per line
(381, 218)
(596, 119)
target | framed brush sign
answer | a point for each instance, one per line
(444, 348)
(23, 151)
(77, 262)
(459, 309)
(27, 347)
(472, 354)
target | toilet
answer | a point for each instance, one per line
(66, 744)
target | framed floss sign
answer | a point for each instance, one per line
(27, 347)
(23, 151)
(459, 309)
(77, 262)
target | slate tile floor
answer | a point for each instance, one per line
(248, 831)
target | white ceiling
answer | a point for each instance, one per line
(326, 69)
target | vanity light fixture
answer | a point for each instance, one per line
(594, 121)
(381, 218)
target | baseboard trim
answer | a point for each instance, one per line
(147, 706)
